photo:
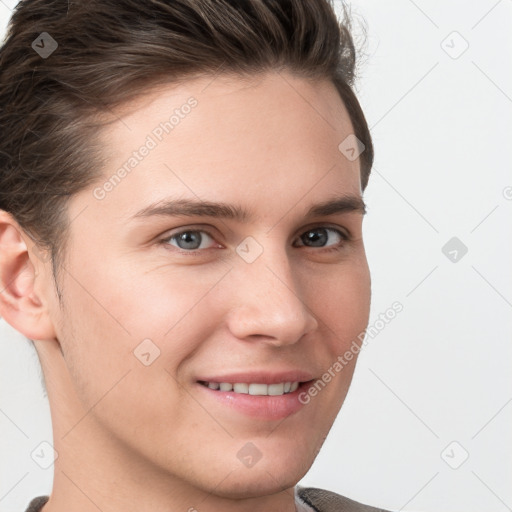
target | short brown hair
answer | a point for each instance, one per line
(110, 51)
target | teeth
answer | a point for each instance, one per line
(241, 388)
(258, 389)
(255, 388)
(276, 389)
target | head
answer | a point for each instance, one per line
(135, 297)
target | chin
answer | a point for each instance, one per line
(248, 484)
(264, 478)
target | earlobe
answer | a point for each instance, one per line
(20, 305)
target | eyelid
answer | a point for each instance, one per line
(343, 230)
(208, 229)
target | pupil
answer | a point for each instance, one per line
(190, 237)
(313, 237)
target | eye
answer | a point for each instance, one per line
(193, 241)
(318, 237)
(189, 240)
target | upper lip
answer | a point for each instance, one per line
(262, 377)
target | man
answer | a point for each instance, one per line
(181, 237)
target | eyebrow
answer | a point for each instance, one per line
(220, 210)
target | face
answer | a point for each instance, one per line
(159, 304)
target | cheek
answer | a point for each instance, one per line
(120, 361)
(341, 300)
(162, 293)
(342, 305)
(109, 312)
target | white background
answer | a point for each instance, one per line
(441, 370)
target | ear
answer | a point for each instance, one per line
(20, 271)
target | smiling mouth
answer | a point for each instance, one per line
(253, 388)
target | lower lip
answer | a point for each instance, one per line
(275, 407)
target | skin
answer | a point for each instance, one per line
(143, 438)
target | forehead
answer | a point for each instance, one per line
(229, 139)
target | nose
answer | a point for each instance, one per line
(268, 302)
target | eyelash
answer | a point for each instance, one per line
(339, 247)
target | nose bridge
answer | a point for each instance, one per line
(269, 302)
